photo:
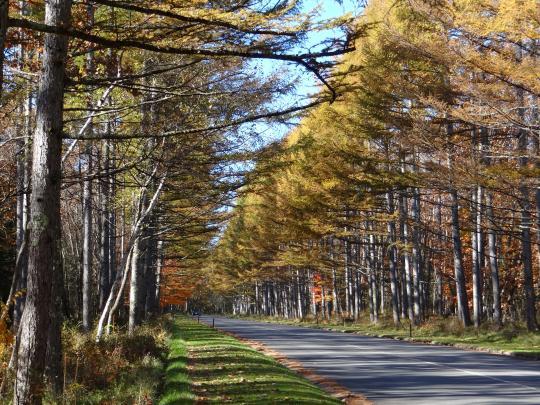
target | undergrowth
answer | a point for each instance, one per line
(120, 369)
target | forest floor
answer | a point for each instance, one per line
(512, 339)
(208, 366)
(120, 369)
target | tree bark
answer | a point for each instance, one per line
(392, 259)
(526, 220)
(4, 9)
(476, 241)
(135, 281)
(404, 227)
(44, 258)
(493, 261)
(105, 237)
(87, 203)
(416, 256)
(87, 247)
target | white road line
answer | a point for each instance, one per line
(442, 365)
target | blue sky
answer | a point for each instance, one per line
(306, 82)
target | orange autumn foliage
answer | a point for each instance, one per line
(176, 286)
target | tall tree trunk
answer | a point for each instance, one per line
(87, 203)
(300, 306)
(476, 235)
(416, 256)
(159, 267)
(313, 297)
(526, 244)
(23, 192)
(459, 273)
(408, 290)
(476, 241)
(151, 265)
(105, 237)
(4, 8)
(44, 258)
(134, 284)
(438, 296)
(526, 220)
(121, 276)
(23, 195)
(373, 307)
(392, 259)
(87, 246)
(112, 217)
(493, 262)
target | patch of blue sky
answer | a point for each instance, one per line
(305, 83)
(256, 135)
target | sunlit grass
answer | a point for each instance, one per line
(223, 370)
(176, 386)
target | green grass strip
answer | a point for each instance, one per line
(176, 386)
(224, 370)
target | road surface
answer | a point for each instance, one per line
(393, 372)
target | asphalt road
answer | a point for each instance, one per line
(394, 372)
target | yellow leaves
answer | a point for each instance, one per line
(6, 340)
(519, 19)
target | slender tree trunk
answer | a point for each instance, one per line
(151, 265)
(373, 307)
(392, 259)
(112, 217)
(121, 276)
(22, 233)
(23, 192)
(476, 240)
(312, 295)
(4, 8)
(336, 311)
(493, 262)
(346, 276)
(105, 237)
(87, 204)
(44, 258)
(324, 307)
(159, 268)
(526, 220)
(404, 227)
(416, 257)
(87, 247)
(134, 311)
(459, 272)
(300, 306)
(438, 301)
(526, 245)
(536, 143)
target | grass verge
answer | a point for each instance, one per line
(221, 369)
(513, 339)
(176, 389)
(120, 369)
